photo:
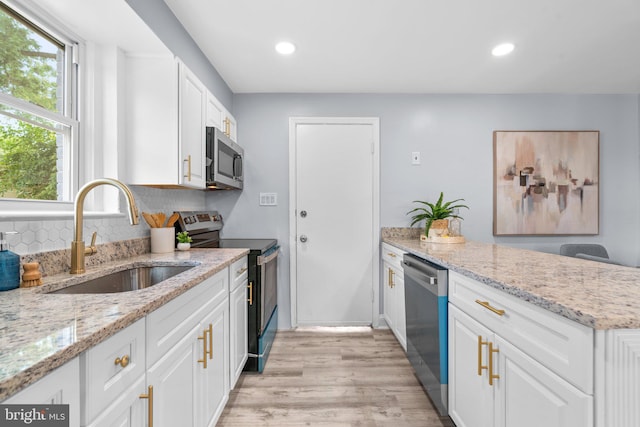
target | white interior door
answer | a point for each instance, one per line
(334, 231)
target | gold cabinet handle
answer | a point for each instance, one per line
(204, 349)
(481, 367)
(242, 270)
(149, 395)
(227, 126)
(391, 254)
(250, 293)
(122, 361)
(188, 160)
(210, 331)
(391, 273)
(486, 305)
(492, 376)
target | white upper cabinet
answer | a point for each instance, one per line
(192, 122)
(215, 112)
(220, 117)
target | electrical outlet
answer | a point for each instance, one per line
(415, 158)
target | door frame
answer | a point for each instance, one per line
(375, 229)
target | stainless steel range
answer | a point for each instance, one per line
(262, 299)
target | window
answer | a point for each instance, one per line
(38, 126)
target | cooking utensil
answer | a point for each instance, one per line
(150, 219)
(172, 219)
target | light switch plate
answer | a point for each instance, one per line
(415, 158)
(268, 199)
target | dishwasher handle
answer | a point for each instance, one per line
(430, 283)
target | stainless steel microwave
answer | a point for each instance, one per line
(224, 161)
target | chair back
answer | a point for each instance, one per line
(571, 249)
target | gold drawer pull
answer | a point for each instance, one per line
(486, 305)
(391, 254)
(492, 376)
(481, 367)
(250, 293)
(204, 349)
(122, 361)
(149, 395)
(210, 331)
(242, 270)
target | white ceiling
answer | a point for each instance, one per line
(419, 46)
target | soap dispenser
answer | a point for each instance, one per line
(9, 265)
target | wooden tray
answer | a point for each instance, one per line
(456, 239)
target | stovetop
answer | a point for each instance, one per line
(205, 226)
(261, 245)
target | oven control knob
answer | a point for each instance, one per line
(303, 214)
(303, 238)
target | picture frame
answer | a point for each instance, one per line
(546, 183)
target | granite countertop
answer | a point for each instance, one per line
(39, 332)
(595, 294)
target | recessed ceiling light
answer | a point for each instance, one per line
(285, 48)
(502, 49)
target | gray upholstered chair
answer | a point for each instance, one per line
(590, 251)
(593, 249)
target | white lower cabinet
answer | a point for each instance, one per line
(494, 382)
(62, 386)
(238, 313)
(188, 340)
(212, 381)
(393, 293)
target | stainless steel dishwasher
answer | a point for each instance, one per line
(426, 300)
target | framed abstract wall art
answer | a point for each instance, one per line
(546, 182)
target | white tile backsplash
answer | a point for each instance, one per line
(43, 235)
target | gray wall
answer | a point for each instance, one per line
(454, 134)
(166, 26)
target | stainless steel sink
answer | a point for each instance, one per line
(125, 280)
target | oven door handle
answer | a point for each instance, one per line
(264, 259)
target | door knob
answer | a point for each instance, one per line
(303, 238)
(303, 214)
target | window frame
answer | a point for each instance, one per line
(30, 208)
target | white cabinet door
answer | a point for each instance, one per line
(401, 317)
(238, 335)
(128, 410)
(62, 386)
(173, 379)
(471, 398)
(193, 98)
(529, 395)
(152, 155)
(212, 381)
(388, 295)
(214, 112)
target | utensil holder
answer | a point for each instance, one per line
(163, 240)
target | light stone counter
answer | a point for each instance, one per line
(598, 295)
(39, 332)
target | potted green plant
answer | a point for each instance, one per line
(435, 214)
(184, 240)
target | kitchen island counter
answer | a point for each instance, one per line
(40, 332)
(594, 294)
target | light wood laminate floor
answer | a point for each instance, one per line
(332, 377)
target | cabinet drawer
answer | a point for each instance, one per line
(105, 380)
(392, 255)
(238, 273)
(563, 346)
(170, 323)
